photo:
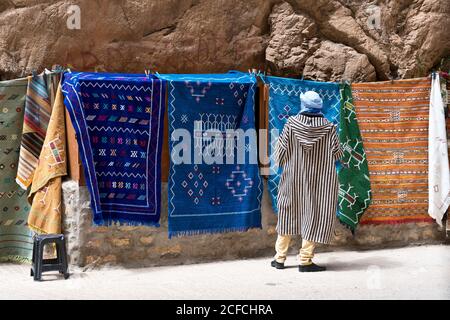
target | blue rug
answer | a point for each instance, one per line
(284, 101)
(214, 197)
(118, 119)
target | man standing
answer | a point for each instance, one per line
(307, 200)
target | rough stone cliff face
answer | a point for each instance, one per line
(319, 39)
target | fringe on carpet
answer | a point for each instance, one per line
(124, 223)
(209, 231)
(16, 259)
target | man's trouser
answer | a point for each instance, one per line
(305, 255)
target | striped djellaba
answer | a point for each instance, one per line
(307, 200)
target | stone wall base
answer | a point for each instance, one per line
(141, 246)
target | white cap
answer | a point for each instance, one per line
(311, 100)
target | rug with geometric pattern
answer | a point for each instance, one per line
(15, 238)
(284, 101)
(213, 194)
(393, 120)
(118, 119)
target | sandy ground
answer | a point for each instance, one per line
(421, 272)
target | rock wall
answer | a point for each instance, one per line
(325, 40)
(319, 39)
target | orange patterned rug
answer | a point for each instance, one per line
(393, 119)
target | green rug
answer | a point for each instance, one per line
(15, 237)
(354, 182)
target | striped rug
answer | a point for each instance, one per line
(38, 107)
(393, 119)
